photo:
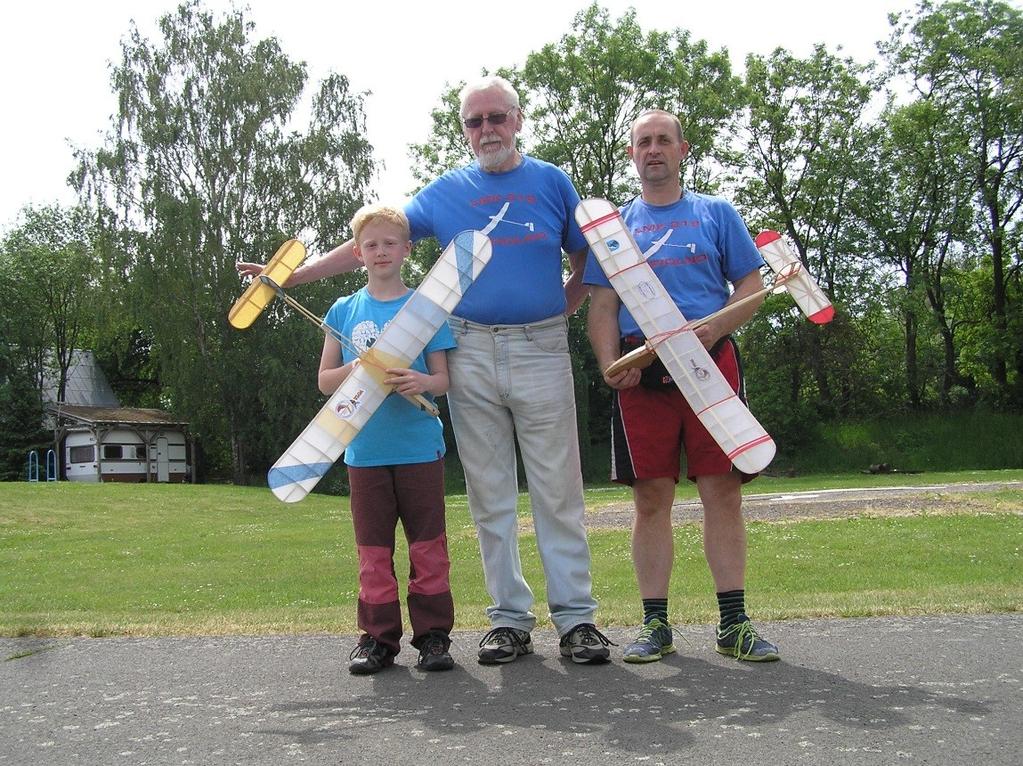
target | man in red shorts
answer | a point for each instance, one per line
(708, 248)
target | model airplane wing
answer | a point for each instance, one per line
(321, 443)
(257, 295)
(803, 289)
(728, 420)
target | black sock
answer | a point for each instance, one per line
(732, 605)
(655, 607)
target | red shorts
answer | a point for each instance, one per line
(650, 427)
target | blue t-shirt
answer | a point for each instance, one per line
(529, 215)
(709, 246)
(398, 433)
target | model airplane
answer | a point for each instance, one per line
(722, 412)
(267, 284)
(321, 443)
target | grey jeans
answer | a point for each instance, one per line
(508, 382)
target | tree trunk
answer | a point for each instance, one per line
(912, 366)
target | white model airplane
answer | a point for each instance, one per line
(321, 443)
(729, 421)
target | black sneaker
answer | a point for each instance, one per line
(504, 645)
(369, 656)
(741, 640)
(586, 645)
(433, 652)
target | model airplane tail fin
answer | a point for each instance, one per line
(804, 290)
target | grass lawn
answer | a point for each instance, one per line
(119, 559)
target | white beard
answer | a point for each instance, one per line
(493, 159)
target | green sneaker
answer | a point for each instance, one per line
(653, 642)
(741, 640)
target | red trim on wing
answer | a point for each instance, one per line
(714, 404)
(748, 446)
(766, 237)
(626, 268)
(597, 221)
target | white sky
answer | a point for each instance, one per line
(55, 88)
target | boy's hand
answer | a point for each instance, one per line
(406, 382)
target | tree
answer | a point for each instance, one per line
(21, 414)
(48, 268)
(912, 199)
(200, 170)
(586, 90)
(967, 58)
(803, 135)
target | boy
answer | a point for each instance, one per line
(396, 463)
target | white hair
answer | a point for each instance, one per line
(493, 82)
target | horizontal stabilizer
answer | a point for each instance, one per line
(804, 290)
(258, 294)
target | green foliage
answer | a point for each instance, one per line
(913, 203)
(201, 170)
(967, 59)
(21, 416)
(49, 272)
(585, 91)
(804, 135)
(919, 442)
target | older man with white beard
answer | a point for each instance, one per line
(511, 375)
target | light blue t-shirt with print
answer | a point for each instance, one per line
(398, 433)
(707, 248)
(528, 213)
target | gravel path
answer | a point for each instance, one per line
(836, 503)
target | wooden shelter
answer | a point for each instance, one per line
(121, 444)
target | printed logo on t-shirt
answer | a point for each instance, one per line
(666, 259)
(516, 239)
(365, 334)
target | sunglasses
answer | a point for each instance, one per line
(498, 118)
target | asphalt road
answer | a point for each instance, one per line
(918, 690)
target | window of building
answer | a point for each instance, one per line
(83, 454)
(113, 452)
